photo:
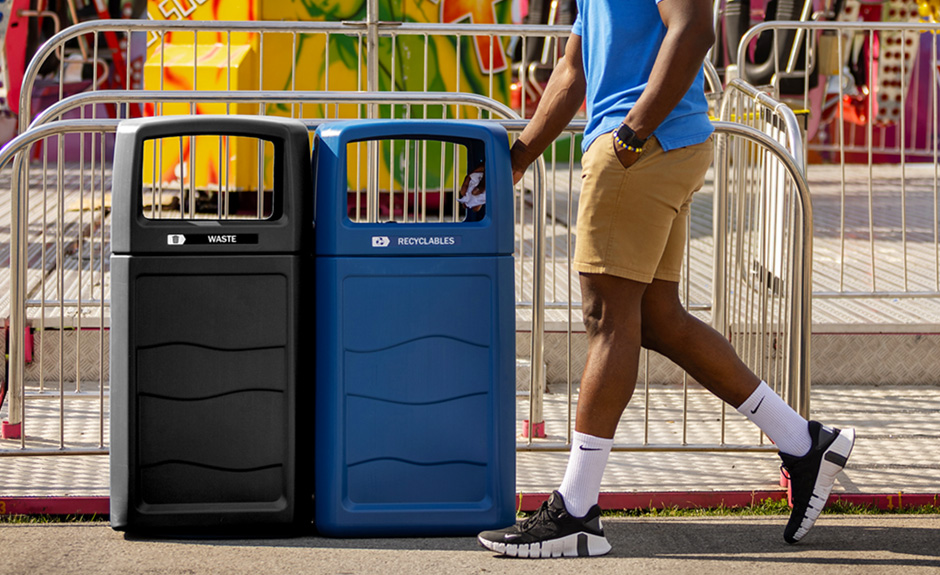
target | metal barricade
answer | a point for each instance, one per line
(758, 243)
(872, 151)
(27, 366)
(747, 270)
(532, 246)
(547, 297)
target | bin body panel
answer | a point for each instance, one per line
(415, 395)
(206, 391)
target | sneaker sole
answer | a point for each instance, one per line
(574, 545)
(833, 461)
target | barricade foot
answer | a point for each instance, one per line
(538, 429)
(10, 430)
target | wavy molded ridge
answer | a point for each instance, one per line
(418, 403)
(415, 340)
(420, 463)
(207, 397)
(212, 467)
(209, 347)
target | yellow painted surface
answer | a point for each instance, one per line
(315, 62)
(236, 164)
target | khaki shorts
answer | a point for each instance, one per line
(632, 222)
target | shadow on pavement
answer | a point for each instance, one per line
(836, 540)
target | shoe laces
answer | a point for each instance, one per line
(544, 514)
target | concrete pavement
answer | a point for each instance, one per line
(867, 544)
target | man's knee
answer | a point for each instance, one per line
(662, 326)
(609, 304)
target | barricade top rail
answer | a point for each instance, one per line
(302, 26)
(37, 133)
(511, 122)
(272, 96)
(828, 25)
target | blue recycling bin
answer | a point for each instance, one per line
(209, 416)
(415, 351)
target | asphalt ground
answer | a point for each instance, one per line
(869, 544)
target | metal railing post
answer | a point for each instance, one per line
(372, 85)
(18, 269)
(537, 389)
(720, 233)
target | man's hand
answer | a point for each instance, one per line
(627, 157)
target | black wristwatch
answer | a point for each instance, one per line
(626, 139)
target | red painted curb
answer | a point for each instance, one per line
(710, 499)
(54, 505)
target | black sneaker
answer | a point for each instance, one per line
(813, 475)
(551, 532)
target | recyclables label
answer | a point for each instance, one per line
(416, 241)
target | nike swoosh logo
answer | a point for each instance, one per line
(753, 411)
(582, 448)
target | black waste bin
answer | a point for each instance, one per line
(206, 315)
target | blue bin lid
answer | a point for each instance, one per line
(337, 235)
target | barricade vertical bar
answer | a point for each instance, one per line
(536, 391)
(720, 236)
(14, 427)
(60, 280)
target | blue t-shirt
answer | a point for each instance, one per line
(619, 41)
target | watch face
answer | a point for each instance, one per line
(627, 138)
(626, 134)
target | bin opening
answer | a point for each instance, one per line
(411, 181)
(209, 177)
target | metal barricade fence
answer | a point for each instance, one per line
(31, 302)
(51, 191)
(545, 226)
(872, 156)
(767, 254)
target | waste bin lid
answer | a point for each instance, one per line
(283, 227)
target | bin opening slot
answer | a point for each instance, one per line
(209, 177)
(411, 181)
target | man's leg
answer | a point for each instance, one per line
(612, 313)
(709, 358)
(812, 453)
(569, 523)
(612, 308)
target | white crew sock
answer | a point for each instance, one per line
(784, 426)
(582, 482)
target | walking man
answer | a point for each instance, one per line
(647, 147)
